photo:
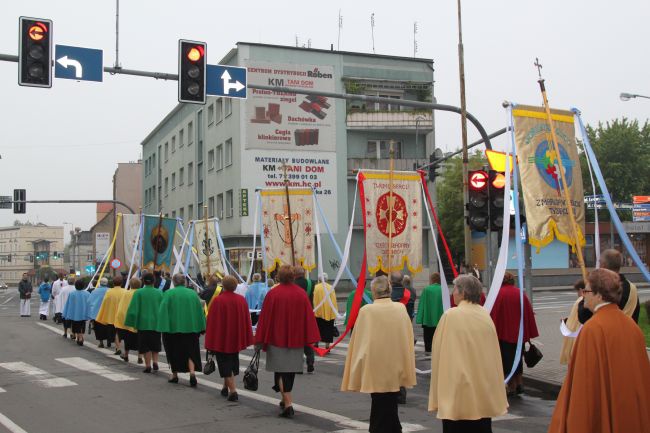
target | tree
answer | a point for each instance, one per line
(622, 149)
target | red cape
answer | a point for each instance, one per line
(229, 327)
(481, 301)
(287, 319)
(506, 314)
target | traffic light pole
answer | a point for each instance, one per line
(77, 202)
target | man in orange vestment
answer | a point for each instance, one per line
(607, 387)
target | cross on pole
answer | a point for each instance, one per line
(288, 212)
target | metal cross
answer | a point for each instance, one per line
(539, 67)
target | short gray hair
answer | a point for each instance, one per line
(178, 279)
(396, 277)
(380, 287)
(611, 259)
(469, 287)
(257, 277)
(103, 281)
(71, 280)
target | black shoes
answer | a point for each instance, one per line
(101, 345)
(224, 392)
(310, 368)
(193, 381)
(147, 370)
(140, 361)
(519, 389)
(117, 352)
(125, 358)
(72, 337)
(80, 342)
(401, 398)
(233, 396)
(287, 412)
(155, 366)
(173, 380)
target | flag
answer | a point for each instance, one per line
(546, 211)
(130, 228)
(208, 247)
(276, 230)
(158, 242)
(392, 217)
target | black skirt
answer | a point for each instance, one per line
(104, 332)
(129, 338)
(326, 329)
(180, 348)
(228, 363)
(79, 326)
(148, 341)
(508, 352)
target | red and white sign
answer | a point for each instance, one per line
(478, 180)
(116, 263)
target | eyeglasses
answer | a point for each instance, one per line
(587, 291)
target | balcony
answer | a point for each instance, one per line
(388, 120)
(354, 164)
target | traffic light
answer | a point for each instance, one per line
(191, 71)
(497, 188)
(19, 195)
(433, 168)
(478, 200)
(35, 52)
(55, 255)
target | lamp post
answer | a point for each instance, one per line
(627, 96)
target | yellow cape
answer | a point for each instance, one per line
(108, 310)
(123, 307)
(325, 311)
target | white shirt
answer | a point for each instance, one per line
(242, 289)
(601, 305)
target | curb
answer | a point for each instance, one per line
(545, 386)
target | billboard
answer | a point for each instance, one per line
(641, 209)
(102, 242)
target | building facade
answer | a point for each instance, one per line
(32, 249)
(216, 156)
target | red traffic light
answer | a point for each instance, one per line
(195, 53)
(478, 180)
(499, 181)
(37, 32)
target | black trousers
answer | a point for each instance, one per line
(428, 332)
(384, 417)
(483, 425)
(309, 353)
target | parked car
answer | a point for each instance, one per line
(3, 286)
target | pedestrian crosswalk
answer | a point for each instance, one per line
(36, 375)
(95, 368)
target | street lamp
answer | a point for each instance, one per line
(627, 96)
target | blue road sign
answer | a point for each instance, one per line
(81, 64)
(228, 81)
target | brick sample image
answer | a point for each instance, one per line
(306, 137)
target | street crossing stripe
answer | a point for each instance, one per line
(40, 377)
(7, 300)
(10, 425)
(93, 367)
(2, 390)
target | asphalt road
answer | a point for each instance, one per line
(51, 385)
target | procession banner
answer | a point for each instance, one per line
(276, 231)
(130, 233)
(392, 216)
(158, 242)
(208, 247)
(546, 209)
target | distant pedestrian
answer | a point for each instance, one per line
(366, 298)
(381, 357)
(607, 386)
(228, 332)
(506, 314)
(143, 316)
(95, 300)
(45, 292)
(407, 283)
(572, 323)
(57, 286)
(466, 375)
(255, 296)
(181, 321)
(62, 299)
(25, 294)
(286, 325)
(76, 310)
(325, 310)
(430, 310)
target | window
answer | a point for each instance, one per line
(166, 186)
(190, 212)
(199, 210)
(174, 214)
(181, 213)
(380, 149)
(211, 207)
(153, 161)
(383, 106)
(181, 138)
(190, 173)
(146, 167)
(211, 160)
(228, 152)
(173, 144)
(181, 176)
(220, 206)
(173, 181)
(166, 151)
(211, 114)
(220, 156)
(228, 106)
(219, 110)
(229, 203)
(190, 133)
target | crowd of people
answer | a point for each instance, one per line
(473, 352)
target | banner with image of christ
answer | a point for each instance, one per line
(392, 216)
(277, 232)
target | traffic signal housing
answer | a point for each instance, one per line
(35, 52)
(497, 183)
(191, 71)
(478, 206)
(20, 196)
(433, 168)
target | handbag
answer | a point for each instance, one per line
(209, 366)
(532, 356)
(250, 375)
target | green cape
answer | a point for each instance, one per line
(181, 312)
(430, 307)
(367, 292)
(143, 310)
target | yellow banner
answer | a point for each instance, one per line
(546, 209)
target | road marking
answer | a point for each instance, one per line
(330, 416)
(2, 390)
(507, 417)
(10, 425)
(5, 302)
(40, 377)
(93, 367)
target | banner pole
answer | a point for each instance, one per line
(206, 239)
(565, 188)
(155, 253)
(390, 208)
(288, 216)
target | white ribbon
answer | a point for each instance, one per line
(567, 332)
(250, 271)
(135, 250)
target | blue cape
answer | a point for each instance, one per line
(76, 307)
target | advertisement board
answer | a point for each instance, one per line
(102, 242)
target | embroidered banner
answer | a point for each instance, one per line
(276, 230)
(392, 217)
(130, 228)
(208, 247)
(546, 211)
(158, 242)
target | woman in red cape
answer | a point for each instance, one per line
(506, 315)
(228, 332)
(285, 326)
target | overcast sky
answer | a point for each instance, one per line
(64, 142)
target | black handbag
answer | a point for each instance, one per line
(532, 356)
(250, 375)
(209, 366)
